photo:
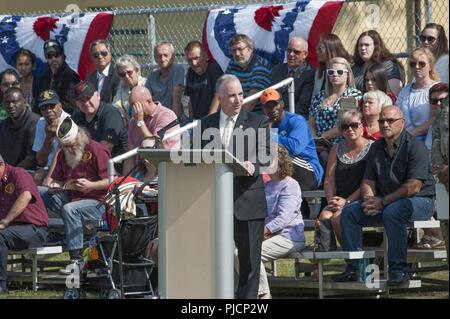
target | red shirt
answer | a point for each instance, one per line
(374, 137)
(93, 166)
(13, 183)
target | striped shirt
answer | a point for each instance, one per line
(256, 76)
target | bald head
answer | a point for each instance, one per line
(393, 110)
(140, 94)
(297, 52)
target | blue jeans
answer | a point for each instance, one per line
(395, 217)
(74, 214)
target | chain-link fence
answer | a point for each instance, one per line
(136, 30)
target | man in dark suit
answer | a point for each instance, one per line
(301, 71)
(105, 77)
(250, 207)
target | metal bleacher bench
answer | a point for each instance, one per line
(28, 258)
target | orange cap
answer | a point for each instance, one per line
(269, 95)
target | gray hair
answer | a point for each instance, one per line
(225, 79)
(128, 60)
(244, 38)
(160, 44)
(97, 42)
(346, 117)
(382, 98)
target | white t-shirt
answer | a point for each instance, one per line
(40, 135)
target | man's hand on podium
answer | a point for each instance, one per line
(249, 167)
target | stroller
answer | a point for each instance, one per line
(116, 260)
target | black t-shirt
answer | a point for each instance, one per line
(107, 125)
(201, 88)
(393, 71)
(411, 160)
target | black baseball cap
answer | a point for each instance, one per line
(48, 97)
(52, 46)
(84, 89)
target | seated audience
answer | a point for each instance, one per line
(23, 218)
(284, 227)
(79, 183)
(17, 130)
(345, 169)
(375, 79)
(129, 72)
(397, 188)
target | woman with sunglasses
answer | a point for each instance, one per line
(433, 37)
(413, 99)
(329, 46)
(369, 49)
(345, 168)
(327, 103)
(129, 72)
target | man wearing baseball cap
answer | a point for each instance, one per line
(59, 77)
(81, 175)
(45, 142)
(23, 218)
(103, 121)
(292, 131)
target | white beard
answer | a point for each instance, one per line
(73, 159)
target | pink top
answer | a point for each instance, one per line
(155, 122)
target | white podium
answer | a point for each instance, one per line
(195, 213)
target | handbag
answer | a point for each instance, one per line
(324, 239)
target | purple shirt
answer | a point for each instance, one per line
(155, 122)
(93, 166)
(283, 204)
(13, 183)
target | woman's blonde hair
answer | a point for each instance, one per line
(350, 76)
(430, 57)
(382, 98)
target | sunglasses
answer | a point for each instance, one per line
(129, 73)
(47, 107)
(54, 55)
(296, 52)
(389, 121)
(429, 39)
(353, 125)
(7, 85)
(96, 55)
(421, 64)
(332, 72)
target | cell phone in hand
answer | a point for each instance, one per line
(349, 103)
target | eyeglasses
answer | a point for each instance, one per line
(236, 50)
(296, 52)
(429, 39)
(436, 101)
(354, 126)
(332, 72)
(53, 55)
(47, 107)
(128, 72)
(8, 85)
(414, 64)
(96, 55)
(389, 121)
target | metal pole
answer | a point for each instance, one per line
(119, 159)
(224, 245)
(417, 20)
(428, 11)
(256, 96)
(291, 92)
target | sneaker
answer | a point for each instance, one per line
(430, 242)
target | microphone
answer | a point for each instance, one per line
(163, 131)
